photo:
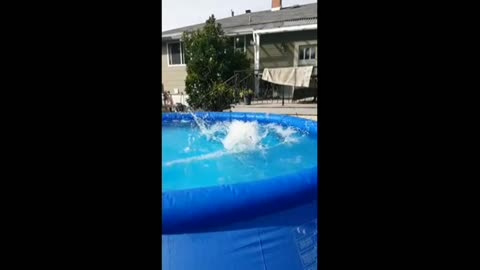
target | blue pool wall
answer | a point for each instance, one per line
(285, 240)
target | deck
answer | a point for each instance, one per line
(307, 110)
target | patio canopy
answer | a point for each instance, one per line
(292, 76)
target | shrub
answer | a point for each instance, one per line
(211, 60)
(246, 93)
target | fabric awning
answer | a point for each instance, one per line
(292, 76)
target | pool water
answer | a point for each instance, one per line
(201, 154)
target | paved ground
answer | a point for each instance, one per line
(314, 118)
(308, 111)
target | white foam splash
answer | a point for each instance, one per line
(238, 136)
(243, 136)
(202, 157)
(285, 133)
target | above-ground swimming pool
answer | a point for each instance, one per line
(239, 191)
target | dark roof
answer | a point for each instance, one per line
(287, 16)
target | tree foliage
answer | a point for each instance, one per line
(211, 60)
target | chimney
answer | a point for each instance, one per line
(276, 5)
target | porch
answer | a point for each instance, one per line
(267, 92)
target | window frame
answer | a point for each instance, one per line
(244, 43)
(182, 55)
(304, 49)
(305, 62)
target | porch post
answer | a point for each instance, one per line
(256, 59)
(294, 83)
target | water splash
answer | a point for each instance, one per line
(205, 130)
(286, 133)
(243, 136)
(201, 157)
(200, 123)
(237, 137)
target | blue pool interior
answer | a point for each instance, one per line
(192, 160)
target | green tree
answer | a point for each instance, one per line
(210, 60)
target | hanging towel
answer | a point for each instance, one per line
(298, 76)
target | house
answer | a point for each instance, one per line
(281, 37)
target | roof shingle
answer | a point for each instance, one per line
(288, 16)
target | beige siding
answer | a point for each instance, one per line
(172, 77)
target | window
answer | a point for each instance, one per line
(176, 54)
(307, 52)
(240, 44)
